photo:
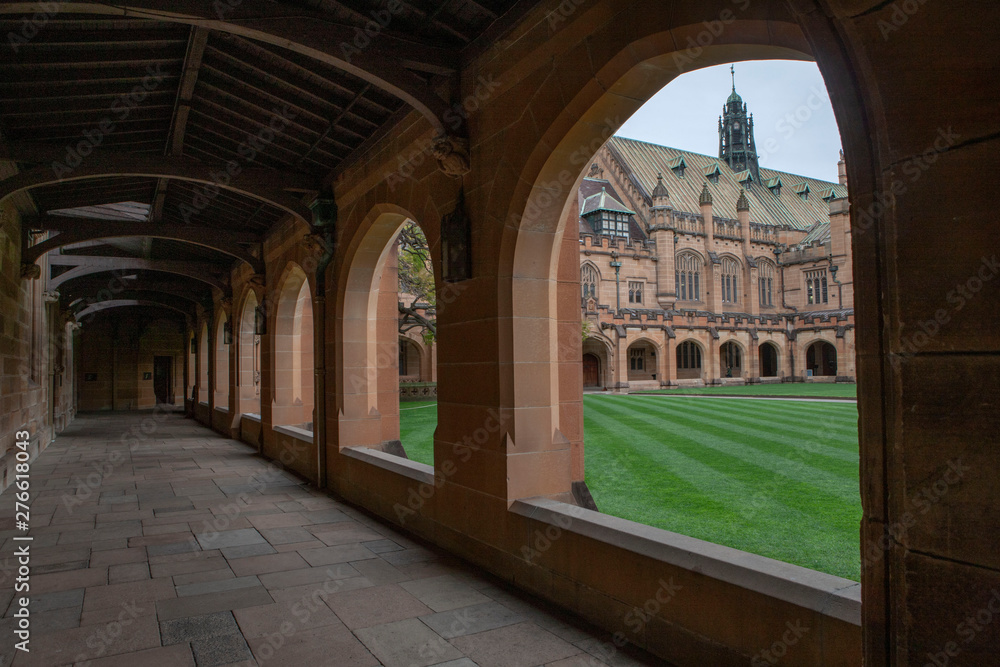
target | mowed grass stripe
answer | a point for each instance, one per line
(792, 412)
(641, 453)
(690, 507)
(754, 519)
(758, 453)
(839, 450)
(685, 436)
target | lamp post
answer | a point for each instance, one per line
(616, 265)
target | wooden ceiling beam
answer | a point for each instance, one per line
(384, 59)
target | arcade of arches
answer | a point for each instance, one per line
(251, 272)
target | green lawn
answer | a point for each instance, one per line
(838, 390)
(776, 478)
(417, 421)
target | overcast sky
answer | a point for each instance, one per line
(793, 120)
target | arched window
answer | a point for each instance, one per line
(816, 286)
(765, 281)
(730, 280)
(589, 279)
(688, 277)
(688, 360)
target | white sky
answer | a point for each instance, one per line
(793, 120)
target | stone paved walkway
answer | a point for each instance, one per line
(189, 549)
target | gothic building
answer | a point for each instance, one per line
(712, 270)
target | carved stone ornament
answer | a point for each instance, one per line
(452, 154)
(258, 279)
(31, 271)
(313, 243)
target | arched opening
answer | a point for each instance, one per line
(641, 360)
(293, 352)
(409, 361)
(203, 387)
(730, 360)
(689, 361)
(596, 363)
(591, 370)
(248, 376)
(821, 359)
(390, 296)
(223, 340)
(768, 354)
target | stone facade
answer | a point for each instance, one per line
(739, 293)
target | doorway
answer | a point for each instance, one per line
(163, 371)
(591, 371)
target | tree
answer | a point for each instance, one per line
(417, 296)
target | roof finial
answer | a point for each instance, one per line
(732, 70)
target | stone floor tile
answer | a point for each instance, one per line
(228, 584)
(343, 553)
(407, 643)
(471, 620)
(98, 597)
(311, 575)
(229, 538)
(444, 593)
(221, 650)
(286, 617)
(287, 535)
(278, 520)
(520, 645)
(312, 647)
(379, 572)
(376, 605)
(319, 590)
(163, 656)
(195, 605)
(118, 556)
(190, 628)
(248, 550)
(119, 574)
(269, 563)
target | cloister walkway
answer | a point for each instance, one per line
(185, 548)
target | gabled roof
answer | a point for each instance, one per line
(602, 201)
(647, 160)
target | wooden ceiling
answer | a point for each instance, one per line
(137, 102)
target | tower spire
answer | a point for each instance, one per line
(736, 141)
(732, 70)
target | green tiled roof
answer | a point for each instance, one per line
(647, 160)
(602, 201)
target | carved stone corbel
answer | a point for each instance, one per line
(452, 154)
(31, 271)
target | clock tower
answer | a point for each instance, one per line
(736, 142)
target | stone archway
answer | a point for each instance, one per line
(768, 355)
(821, 359)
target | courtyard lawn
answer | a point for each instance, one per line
(775, 478)
(807, 389)
(417, 421)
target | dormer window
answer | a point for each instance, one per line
(712, 172)
(802, 190)
(774, 185)
(677, 165)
